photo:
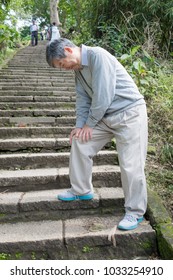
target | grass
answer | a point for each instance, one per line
(160, 163)
(5, 56)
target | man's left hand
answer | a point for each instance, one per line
(85, 133)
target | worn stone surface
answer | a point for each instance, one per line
(9, 203)
(83, 237)
(103, 176)
(37, 205)
(31, 236)
(33, 132)
(110, 196)
(33, 201)
(86, 235)
(23, 177)
(29, 160)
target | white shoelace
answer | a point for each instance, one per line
(129, 218)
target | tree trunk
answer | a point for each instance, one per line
(54, 16)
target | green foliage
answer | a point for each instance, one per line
(87, 249)
(8, 33)
(155, 83)
(111, 39)
(167, 153)
(38, 10)
(161, 117)
(142, 67)
(5, 55)
(4, 256)
(25, 32)
(69, 14)
(147, 23)
(8, 36)
(33, 256)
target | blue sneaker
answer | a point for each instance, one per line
(69, 196)
(129, 222)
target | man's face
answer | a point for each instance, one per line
(72, 61)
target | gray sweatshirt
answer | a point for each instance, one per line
(103, 87)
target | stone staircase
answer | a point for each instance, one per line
(37, 113)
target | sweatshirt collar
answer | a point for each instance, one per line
(84, 55)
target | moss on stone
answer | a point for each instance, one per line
(146, 245)
(162, 222)
(2, 215)
(156, 210)
(165, 240)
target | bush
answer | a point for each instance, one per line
(8, 36)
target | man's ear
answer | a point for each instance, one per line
(68, 50)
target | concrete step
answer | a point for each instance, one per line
(50, 178)
(37, 120)
(79, 238)
(44, 205)
(27, 64)
(32, 69)
(31, 98)
(27, 59)
(31, 54)
(36, 73)
(39, 159)
(51, 92)
(37, 105)
(32, 79)
(8, 133)
(36, 88)
(35, 144)
(37, 112)
(35, 83)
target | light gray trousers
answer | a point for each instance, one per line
(130, 129)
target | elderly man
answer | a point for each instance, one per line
(108, 104)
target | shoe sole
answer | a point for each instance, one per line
(76, 197)
(127, 228)
(132, 227)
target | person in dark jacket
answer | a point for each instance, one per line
(34, 33)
